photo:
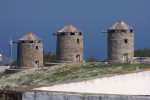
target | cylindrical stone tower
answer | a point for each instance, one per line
(69, 45)
(120, 43)
(30, 51)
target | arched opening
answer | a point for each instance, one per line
(78, 58)
(37, 64)
(125, 57)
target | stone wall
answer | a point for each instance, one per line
(28, 54)
(117, 46)
(68, 48)
(10, 95)
(73, 96)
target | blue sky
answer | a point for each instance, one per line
(45, 17)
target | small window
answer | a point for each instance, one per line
(63, 34)
(111, 31)
(125, 40)
(22, 41)
(80, 33)
(37, 47)
(117, 31)
(29, 41)
(78, 41)
(131, 31)
(123, 30)
(72, 33)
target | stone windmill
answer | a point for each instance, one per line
(69, 45)
(120, 43)
(30, 51)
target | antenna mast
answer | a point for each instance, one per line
(10, 47)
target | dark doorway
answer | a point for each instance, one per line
(78, 41)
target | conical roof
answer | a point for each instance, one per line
(120, 25)
(30, 36)
(69, 28)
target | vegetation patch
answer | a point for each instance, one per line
(65, 72)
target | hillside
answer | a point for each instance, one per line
(64, 73)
